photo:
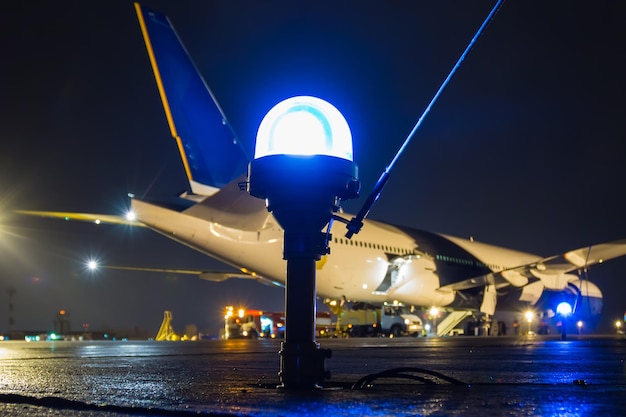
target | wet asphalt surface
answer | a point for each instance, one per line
(498, 376)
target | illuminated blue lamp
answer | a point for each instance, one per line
(306, 126)
(564, 309)
(303, 168)
(303, 163)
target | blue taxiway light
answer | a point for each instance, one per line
(564, 308)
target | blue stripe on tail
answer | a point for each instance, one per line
(211, 153)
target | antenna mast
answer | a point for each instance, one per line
(354, 226)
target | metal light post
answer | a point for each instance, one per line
(303, 168)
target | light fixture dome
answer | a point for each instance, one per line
(564, 308)
(304, 125)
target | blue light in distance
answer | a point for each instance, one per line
(564, 309)
(304, 125)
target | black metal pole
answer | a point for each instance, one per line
(301, 359)
(355, 224)
(302, 193)
(300, 303)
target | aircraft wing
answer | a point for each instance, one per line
(583, 257)
(550, 267)
(83, 217)
(493, 278)
(215, 276)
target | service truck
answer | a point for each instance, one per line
(252, 324)
(392, 319)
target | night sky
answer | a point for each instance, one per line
(525, 149)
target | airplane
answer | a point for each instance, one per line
(383, 262)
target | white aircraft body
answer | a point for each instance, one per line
(381, 263)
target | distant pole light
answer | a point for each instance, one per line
(92, 264)
(529, 318)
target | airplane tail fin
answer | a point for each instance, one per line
(210, 151)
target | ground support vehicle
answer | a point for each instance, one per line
(245, 323)
(391, 320)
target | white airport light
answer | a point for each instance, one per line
(305, 126)
(529, 316)
(92, 264)
(130, 216)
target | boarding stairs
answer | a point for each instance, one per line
(451, 321)
(166, 332)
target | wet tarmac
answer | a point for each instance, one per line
(465, 376)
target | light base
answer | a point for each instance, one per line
(302, 365)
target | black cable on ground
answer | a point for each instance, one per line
(58, 403)
(407, 373)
